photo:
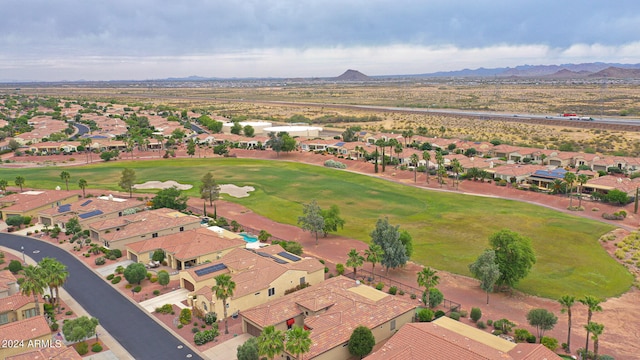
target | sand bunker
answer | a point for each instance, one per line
(162, 185)
(236, 191)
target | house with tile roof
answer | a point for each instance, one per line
(34, 330)
(261, 275)
(30, 203)
(49, 351)
(604, 184)
(90, 210)
(8, 284)
(518, 172)
(448, 339)
(560, 158)
(187, 249)
(18, 307)
(544, 178)
(331, 311)
(116, 233)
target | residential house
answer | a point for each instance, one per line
(604, 184)
(260, 275)
(49, 351)
(8, 284)
(187, 249)
(544, 178)
(18, 307)
(44, 148)
(30, 203)
(118, 232)
(509, 172)
(448, 339)
(331, 310)
(505, 151)
(90, 210)
(560, 158)
(32, 330)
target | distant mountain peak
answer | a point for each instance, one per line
(352, 75)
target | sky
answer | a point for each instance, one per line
(55, 40)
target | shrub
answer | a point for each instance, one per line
(393, 290)
(120, 269)
(110, 277)
(116, 280)
(550, 342)
(100, 260)
(326, 269)
(380, 286)
(497, 332)
(439, 314)
(116, 252)
(435, 297)
(425, 315)
(195, 330)
(137, 289)
(15, 266)
(504, 325)
(180, 326)
(531, 339)
(476, 314)
(82, 348)
(489, 322)
(156, 292)
(401, 292)
(68, 313)
(521, 335)
(210, 318)
(153, 279)
(455, 315)
(54, 327)
(463, 313)
(185, 316)
(413, 296)
(96, 347)
(480, 324)
(340, 269)
(165, 309)
(111, 257)
(335, 164)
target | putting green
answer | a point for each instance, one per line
(449, 230)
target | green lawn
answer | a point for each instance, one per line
(449, 230)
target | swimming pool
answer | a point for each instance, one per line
(249, 238)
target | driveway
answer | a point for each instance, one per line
(175, 297)
(140, 335)
(111, 268)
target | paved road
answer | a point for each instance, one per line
(140, 335)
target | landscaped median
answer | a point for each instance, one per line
(449, 230)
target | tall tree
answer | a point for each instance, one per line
(249, 349)
(381, 143)
(297, 341)
(596, 330)
(55, 275)
(456, 167)
(414, 162)
(3, 185)
(82, 184)
(270, 342)
(127, 180)
(593, 305)
(80, 328)
(33, 283)
(407, 241)
(407, 134)
(135, 273)
(332, 219)
(570, 178)
(171, 198)
(354, 260)
(65, 176)
(567, 301)
(361, 341)
(514, 256)
(426, 156)
(86, 143)
(209, 189)
(20, 182)
(163, 278)
(311, 219)
(428, 279)
(388, 237)
(191, 147)
(582, 179)
(486, 270)
(374, 255)
(441, 171)
(542, 320)
(223, 290)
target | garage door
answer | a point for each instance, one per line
(188, 285)
(252, 329)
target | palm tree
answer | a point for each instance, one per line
(65, 176)
(33, 284)
(414, 162)
(55, 275)
(19, 182)
(381, 144)
(354, 260)
(407, 134)
(270, 342)
(86, 142)
(82, 183)
(426, 156)
(557, 186)
(223, 289)
(593, 304)
(582, 179)
(297, 341)
(440, 162)
(374, 255)
(596, 330)
(427, 278)
(570, 178)
(457, 169)
(567, 302)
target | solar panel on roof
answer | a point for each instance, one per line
(280, 261)
(286, 255)
(90, 214)
(263, 254)
(340, 144)
(64, 208)
(210, 269)
(86, 203)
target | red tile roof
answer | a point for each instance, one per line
(26, 329)
(14, 302)
(29, 200)
(144, 222)
(48, 353)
